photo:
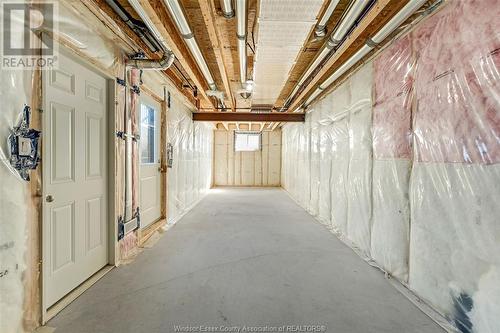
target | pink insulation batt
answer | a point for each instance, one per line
(457, 84)
(392, 108)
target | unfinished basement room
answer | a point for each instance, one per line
(230, 166)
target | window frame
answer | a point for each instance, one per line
(155, 158)
(257, 133)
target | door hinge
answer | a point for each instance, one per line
(135, 89)
(137, 215)
(121, 228)
(122, 135)
(121, 82)
(129, 226)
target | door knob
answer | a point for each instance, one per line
(49, 198)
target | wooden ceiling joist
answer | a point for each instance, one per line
(311, 49)
(209, 16)
(100, 7)
(378, 15)
(248, 116)
(275, 126)
(159, 16)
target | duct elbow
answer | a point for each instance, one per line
(147, 64)
(212, 86)
(168, 59)
(320, 31)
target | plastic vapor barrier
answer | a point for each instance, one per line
(455, 180)
(402, 161)
(332, 176)
(14, 192)
(393, 77)
(87, 36)
(191, 173)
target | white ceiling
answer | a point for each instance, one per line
(283, 28)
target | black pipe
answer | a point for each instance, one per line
(137, 26)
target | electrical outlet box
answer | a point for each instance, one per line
(24, 146)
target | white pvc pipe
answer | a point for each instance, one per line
(315, 64)
(175, 10)
(338, 35)
(385, 31)
(346, 65)
(145, 18)
(242, 54)
(177, 14)
(227, 8)
(241, 14)
(348, 20)
(148, 64)
(241, 18)
(198, 57)
(313, 96)
(396, 21)
(320, 30)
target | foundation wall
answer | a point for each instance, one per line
(190, 177)
(255, 168)
(401, 161)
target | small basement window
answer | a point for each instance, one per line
(148, 134)
(247, 141)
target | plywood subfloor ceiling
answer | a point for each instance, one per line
(280, 47)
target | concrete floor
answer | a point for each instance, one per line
(244, 257)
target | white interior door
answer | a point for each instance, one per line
(149, 160)
(74, 177)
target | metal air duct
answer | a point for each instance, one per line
(147, 64)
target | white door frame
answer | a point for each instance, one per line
(152, 101)
(111, 179)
